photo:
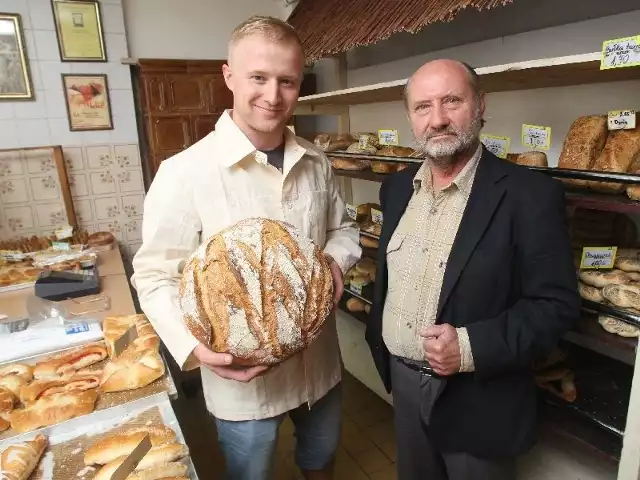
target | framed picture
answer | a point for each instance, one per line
(79, 30)
(87, 100)
(15, 77)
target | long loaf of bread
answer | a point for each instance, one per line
(71, 360)
(51, 410)
(19, 461)
(121, 444)
(171, 469)
(46, 388)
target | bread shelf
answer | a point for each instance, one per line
(370, 235)
(378, 158)
(601, 309)
(361, 175)
(542, 73)
(360, 316)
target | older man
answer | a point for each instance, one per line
(475, 281)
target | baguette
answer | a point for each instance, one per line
(114, 446)
(134, 369)
(52, 410)
(70, 361)
(46, 388)
(19, 461)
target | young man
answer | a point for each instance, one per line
(475, 281)
(251, 165)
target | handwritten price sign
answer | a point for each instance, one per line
(376, 216)
(598, 257)
(536, 137)
(621, 52)
(352, 211)
(388, 137)
(622, 119)
(499, 146)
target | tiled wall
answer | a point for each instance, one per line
(104, 166)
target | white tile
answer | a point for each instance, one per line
(130, 181)
(32, 108)
(127, 156)
(112, 18)
(41, 14)
(79, 185)
(125, 130)
(116, 46)
(36, 78)
(102, 183)
(51, 72)
(119, 76)
(30, 45)
(110, 2)
(6, 110)
(73, 158)
(17, 6)
(60, 133)
(96, 136)
(99, 157)
(33, 133)
(83, 210)
(9, 134)
(97, 67)
(46, 45)
(106, 208)
(55, 103)
(122, 103)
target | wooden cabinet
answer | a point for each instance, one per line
(179, 103)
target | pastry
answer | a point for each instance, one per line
(18, 461)
(115, 326)
(601, 278)
(7, 400)
(47, 387)
(590, 293)
(621, 150)
(618, 327)
(55, 409)
(4, 424)
(70, 360)
(627, 264)
(583, 144)
(622, 296)
(14, 383)
(259, 290)
(133, 369)
(19, 369)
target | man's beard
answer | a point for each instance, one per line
(443, 152)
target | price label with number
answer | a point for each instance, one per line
(622, 119)
(598, 257)
(536, 137)
(76, 328)
(388, 137)
(356, 288)
(352, 211)
(376, 216)
(620, 53)
(499, 146)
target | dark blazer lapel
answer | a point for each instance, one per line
(485, 196)
(399, 195)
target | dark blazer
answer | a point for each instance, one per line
(510, 280)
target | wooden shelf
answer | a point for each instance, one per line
(543, 73)
(361, 175)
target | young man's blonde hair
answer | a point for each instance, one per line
(270, 28)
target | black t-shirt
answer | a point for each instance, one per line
(275, 157)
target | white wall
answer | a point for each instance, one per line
(190, 29)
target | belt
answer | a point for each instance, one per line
(420, 367)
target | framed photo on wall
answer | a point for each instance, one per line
(79, 30)
(87, 101)
(15, 76)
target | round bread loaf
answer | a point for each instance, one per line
(258, 290)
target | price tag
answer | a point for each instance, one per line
(622, 119)
(76, 328)
(352, 211)
(388, 137)
(376, 216)
(357, 288)
(499, 146)
(61, 246)
(598, 257)
(536, 136)
(620, 53)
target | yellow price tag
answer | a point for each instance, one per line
(388, 137)
(598, 257)
(536, 137)
(499, 146)
(620, 53)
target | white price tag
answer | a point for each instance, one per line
(499, 146)
(376, 216)
(536, 137)
(388, 137)
(598, 257)
(357, 288)
(621, 52)
(622, 119)
(352, 211)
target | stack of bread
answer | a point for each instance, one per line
(618, 287)
(362, 274)
(589, 145)
(364, 143)
(553, 376)
(66, 385)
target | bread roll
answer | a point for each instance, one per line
(70, 360)
(369, 242)
(351, 164)
(133, 369)
(620, 151)
(355, 305)
(395, 151)
(590, 293)
(13, 383)
(259, 290)
(627, 264)
(622, 296)
(618, 327)
(532, 159)
(19, 369)
(116, 325)
(51, 410)
(48, 387)
(368, 140)
(18, 461)
(116, 445)
(583, 144)
(384, 167)
(602, 278)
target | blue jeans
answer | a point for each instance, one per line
(248, 446)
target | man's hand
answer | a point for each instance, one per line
(338, 281)
(222, 364)
(442, 349)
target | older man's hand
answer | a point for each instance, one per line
(442, 349)
(226, 366)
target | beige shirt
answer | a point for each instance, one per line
(213, 184)
(417, 256)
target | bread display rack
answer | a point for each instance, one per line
(604, 415)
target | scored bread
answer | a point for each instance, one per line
(622, 296)
(601, 278)
(259, 290)
(122, 443)
(621, 150)
(583, 144)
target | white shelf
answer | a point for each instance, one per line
(543, 73)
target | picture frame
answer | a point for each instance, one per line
(87, 101)
(79, 30)
(15, 74)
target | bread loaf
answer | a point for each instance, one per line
(115, 326)
(70, 360)
(48, 387)
(618, 327)
(133, 369)
(532, 159)
(633, 190)
(369, 242)
(395, 151)
(331, 143)
(602, 278)
(122, 443)
(51, 410)
(258, 290)
(384, 167)
(355, 305)
(353, 164)
(620, 151)
(19, 460)
(583, 144)
(590, 293)
(622, 296)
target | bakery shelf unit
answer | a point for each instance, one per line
(605, 418)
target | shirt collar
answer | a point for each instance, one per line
(463, 181)
(236, 146)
